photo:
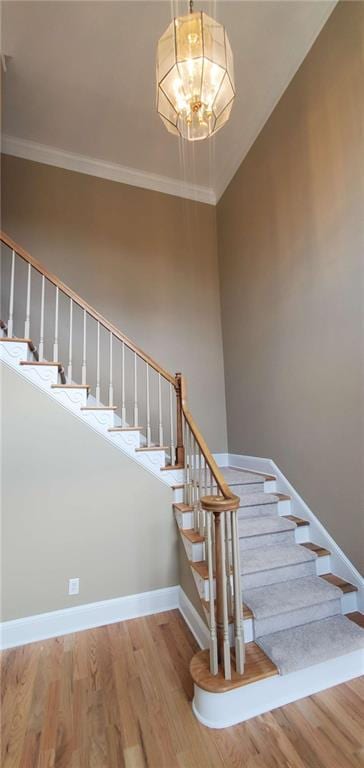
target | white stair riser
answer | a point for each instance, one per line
(74, 399)
(184, 520)
(194, 551)
(128, 441)
(12, 352)
(41, 375)
(178, 495)
(99, 420)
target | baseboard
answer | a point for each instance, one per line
(194, 621)
(46, 625)
(340, 563)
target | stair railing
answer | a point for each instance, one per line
(215, 518)
(58, 319)
(59, 324)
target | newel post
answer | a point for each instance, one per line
(180, 451)
(219, 507)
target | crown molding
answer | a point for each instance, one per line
(42, 153)
(236, 158)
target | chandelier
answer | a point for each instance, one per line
(195, 78)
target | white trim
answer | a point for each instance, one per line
(231, 166)
(45, 625)
(193, 620)
(221, 710)
(340, 563)
(103, 169)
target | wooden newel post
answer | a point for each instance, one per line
(218, 505)
(180, 451)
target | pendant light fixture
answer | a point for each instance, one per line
(195, 77)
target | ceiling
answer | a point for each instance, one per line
(80, 86)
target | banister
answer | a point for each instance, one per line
(201, 442)
(4, 238)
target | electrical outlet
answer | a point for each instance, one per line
(73, 586)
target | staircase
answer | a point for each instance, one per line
(281, 625)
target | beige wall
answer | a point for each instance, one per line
(111, 523)
(291, 250)
(145, 260)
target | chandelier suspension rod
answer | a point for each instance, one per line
(191, 6)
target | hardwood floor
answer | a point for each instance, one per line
(120, 697)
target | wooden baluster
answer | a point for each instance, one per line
(149, 433)
(41, 332)
(214, 668)
(225, 654)
(55, 344)
(11, 297)
(180, 455)
(238, 600)
(160, 418)
(171, 435)
(70, 344)
(123, 407)
(98, 384)
(27, 313)
(84, 362)
(219, 506)
(201, 511)
(228, 561)
(136, 416)
(111, 386)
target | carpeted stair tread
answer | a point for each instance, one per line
(258, 499)
(286, 596)
(269, 557)
(241, 476)
(309, 644)
(260, 526)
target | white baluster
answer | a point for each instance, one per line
(228, 560)
(171, 435)
(200, 510)
(70, 344)
(111, 387)
(136, 417)
(214, 667)
(98, 388)
(149, 434)
(160, 411)
(238, 600)
(55, 345)
(27, 314)
(123, 408)
(11, 297)
(226, 643)
(84, 363)
(41, 333)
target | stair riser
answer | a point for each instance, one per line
(100, 420)
(194, 551)
(241, 490)
(73, 399)
(127, 441)
(275, 575)
(258, 510)
(41, 375)
(12, 352)
(269, 539)
(296, 618)
(184, 520)
(178, 495)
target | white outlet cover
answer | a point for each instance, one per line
(73, 586)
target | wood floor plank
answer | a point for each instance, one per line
(120, 697)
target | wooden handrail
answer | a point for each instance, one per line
(201, 442)
(81, 303)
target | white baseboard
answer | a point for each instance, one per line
(193, 619)
(340, 563)
(45, 625)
